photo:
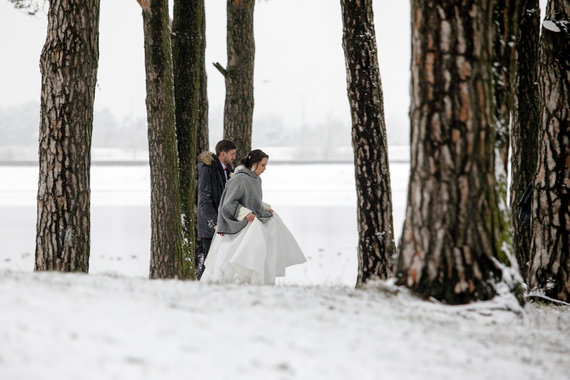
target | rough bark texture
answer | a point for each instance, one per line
(186, 53)
(203, 129)
(525, 123)
(166, 236)
(238, 108)
(550, 248)
(375, 227)
(451, 240)
(505, 17)
(68, 65)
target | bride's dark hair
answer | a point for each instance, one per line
(253, 157)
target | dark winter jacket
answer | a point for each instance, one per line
(211, 184)
(243, 190)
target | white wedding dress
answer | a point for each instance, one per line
(256, 255)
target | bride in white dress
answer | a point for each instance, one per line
(252, 244)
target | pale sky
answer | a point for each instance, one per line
(299, 64)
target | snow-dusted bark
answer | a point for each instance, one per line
(550, 248)
(238, 108)
(375, 227)
(166, 235)
(451, 241)
(68, 65)
(526, 105)
(506, 20)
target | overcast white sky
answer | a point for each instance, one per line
(299, 72)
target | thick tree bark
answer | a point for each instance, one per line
(203, 129)
(525, 123)
(451, 239)
(68, 65)
(238, 108)
(550, 247)
(375, 227)
(166, 235)
(186, 53)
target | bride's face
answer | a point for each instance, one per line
(260, 166)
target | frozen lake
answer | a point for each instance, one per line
(316, 201)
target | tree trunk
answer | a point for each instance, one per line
(550, 247)
(375, 227)
(68, 65)
(505, 16)
(451, 238)
(203, 130)
(166, 239)
(186, 52)
(525, 125)
(238, 108)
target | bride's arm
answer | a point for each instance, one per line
(230, 207)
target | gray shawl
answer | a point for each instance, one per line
(243, 189)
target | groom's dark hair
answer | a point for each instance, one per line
(225, 146)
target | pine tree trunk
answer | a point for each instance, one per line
(451, 238)
(525, 125)
(68, 65)
(550, 247)
(375, 227)
(166, 236)
(203, 129)
(238, 108)
(186, 52)
(505, 16)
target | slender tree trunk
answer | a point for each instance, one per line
(68, 65)
(238, 108)
(505, 16)
(375, 227)
(186, 52)
(166, 239)
(525, 125)
(550, 247)
(203, 130)
(451, 238)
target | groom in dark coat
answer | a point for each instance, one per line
(214, 170)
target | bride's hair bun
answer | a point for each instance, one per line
(253, 157)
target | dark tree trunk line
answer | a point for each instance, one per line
(238, 107)
(187, 41)
(203, 129)
(68, 64)
(451, 241)
(166, 235)
(524, 131)
(375, 227)
(505, 17)
(550, 248)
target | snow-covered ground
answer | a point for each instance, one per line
(116, 324)
(70, 326)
